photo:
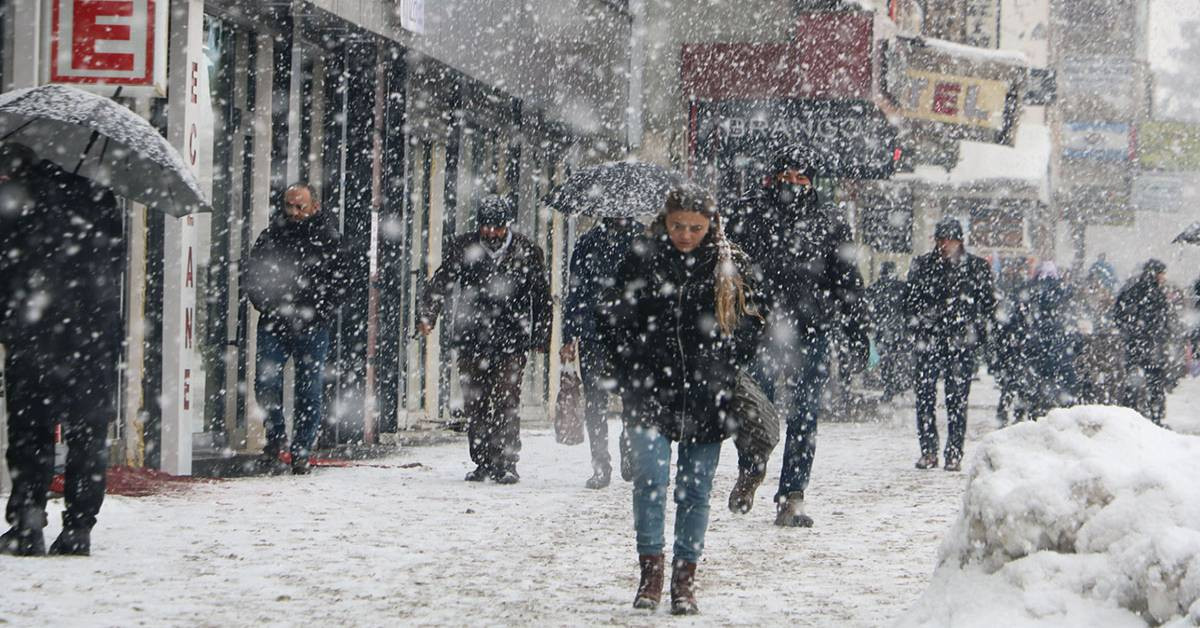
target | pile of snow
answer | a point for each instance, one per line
(1088, 517)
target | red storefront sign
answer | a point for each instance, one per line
(108, 42)
(830, 58)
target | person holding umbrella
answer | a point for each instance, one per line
(60, 322)
(682, 317)
(594, 262)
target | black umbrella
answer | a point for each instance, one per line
(1191, 235)
(615, 190)
(97, 138)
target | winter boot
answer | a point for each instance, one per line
(25, 537)
(480, 474)
(789, 512)
(507, 476)
(953, 463)
(741, 498)
(271, 461)
(601, 478)
(683, 593)
(301, 465)
(72, 542)
(927, 461)
(649, 590)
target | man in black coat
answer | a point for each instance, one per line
(502, 309)
(799, 248)
(297, 280)
(885, 301)
(60, 321)
(950, 305)
(594, 263)
(1143, 315)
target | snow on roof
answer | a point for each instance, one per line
(1027, 160)
(1086, 517)
(1008, 57)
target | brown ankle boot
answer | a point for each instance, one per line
(741, 498)
(683, 594)
(649, 590)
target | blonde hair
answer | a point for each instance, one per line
(730, 286)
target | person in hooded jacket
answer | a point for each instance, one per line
(799, 249)
(296, 278)
(61, 325)
(502, 310)
(951, 306)
(682, 318)
(1143, 315)
(594, 261)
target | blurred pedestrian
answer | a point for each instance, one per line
(682, 319)
(502, 311)
(951, 306)
(594, 263)
(800, 249)
(1143, 315)
(885, 302)
(1049, 343)
(296, 278)
(61, 325)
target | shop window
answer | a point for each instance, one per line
(998, 226)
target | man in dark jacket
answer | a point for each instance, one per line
(593, 268)
(60, 322)
(296, 278)
(885, 300)
(1143, 315)
(501, 311)
(799, 249)
(950, 306)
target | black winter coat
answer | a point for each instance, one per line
(1143, 315)
(503, 303)
(677, 370)
(950, 302)
(885, 303)
(594, 264)
(799, 260)
(61, 260)
(297, 275)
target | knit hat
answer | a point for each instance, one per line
(948, 228)
(495, 211)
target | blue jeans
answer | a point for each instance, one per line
(804, 365)
(308, 348)
(651, 457)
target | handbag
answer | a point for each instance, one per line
(568, 409)
(753, 421)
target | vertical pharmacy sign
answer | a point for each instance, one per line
(190, 125)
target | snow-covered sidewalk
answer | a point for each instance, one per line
(382, 544)
(375, 545)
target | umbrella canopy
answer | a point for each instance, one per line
(97, 138)
(615, 190)
(1191, 235)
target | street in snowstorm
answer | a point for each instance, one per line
(403, 540)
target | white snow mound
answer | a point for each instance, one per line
(1088, 517)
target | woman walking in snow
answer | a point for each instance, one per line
(682, 318)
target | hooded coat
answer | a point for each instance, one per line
(798, 256)
(63, 256)
(594, 263)
(296, 275)
(678, 370)
(503, 302)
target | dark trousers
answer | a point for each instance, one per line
(45, 387)
(804, 366)
(491, 389)
(595, 371)
(893, 358)
(955, 367)
(276, 345)
(1146, 392)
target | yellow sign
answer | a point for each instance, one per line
(1169, 146)
(951, 99)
